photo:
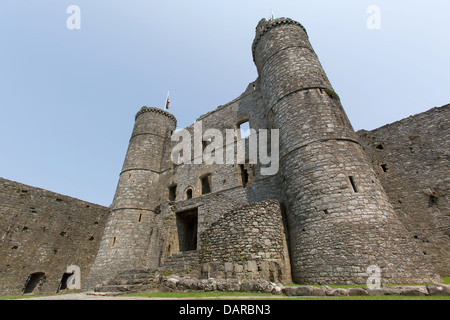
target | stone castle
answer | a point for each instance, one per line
(340, 202)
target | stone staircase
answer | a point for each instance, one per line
(183, 263)
(132, 281)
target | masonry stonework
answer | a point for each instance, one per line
(338, 204)
(411, 159)
(338, 213)
(125, 242)
(247, 243)
(43, 232)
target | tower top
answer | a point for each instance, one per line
(264, 26)
(146, 109)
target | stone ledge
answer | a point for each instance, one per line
(175, 283)
(156, 110)
(134, 281)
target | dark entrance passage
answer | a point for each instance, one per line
(34, 281)
(187, 222)
(63, 283)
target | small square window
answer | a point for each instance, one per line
(244, 130)
(206, 184)
(173, 193)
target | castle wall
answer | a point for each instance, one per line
(164, 240)
(42, 231)
(228, 191)
(247, 243)
(225, 177)
(340, 219)
(344, 211)
(411, 159)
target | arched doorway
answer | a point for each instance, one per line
(33, 282)
(63, 283)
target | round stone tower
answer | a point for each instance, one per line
(138, 179)
(126, 236)
(340, 219)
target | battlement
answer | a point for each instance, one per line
(264, 26)
(145, 109)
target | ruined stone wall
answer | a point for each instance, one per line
(228, 190)
(247, 107)
(340, 219)
(144, 188)
(247, 243)
(42, 231)
(411, 159)
(164, 240)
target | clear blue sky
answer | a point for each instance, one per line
(68, 97)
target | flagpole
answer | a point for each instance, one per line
(165, 102)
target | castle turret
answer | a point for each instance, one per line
(151, 134)
(126, 236)
(340, 219)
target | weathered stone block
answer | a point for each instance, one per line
(439, 290)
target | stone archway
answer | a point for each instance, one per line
(34, 281)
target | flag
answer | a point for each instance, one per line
(167, 102)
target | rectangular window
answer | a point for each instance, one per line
(206, 184)
(188, 194)
(173, 193)
(244, 130)
(352, 181)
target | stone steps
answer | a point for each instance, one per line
(130, 281)
(183, 263)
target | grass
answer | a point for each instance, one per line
(366, 298)
(260, 296)
(334, 286)
(178, 295)
(11, 297)
(332, 94)
(446, 280)
(23, 297)
(250, 296)
(34, 296)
